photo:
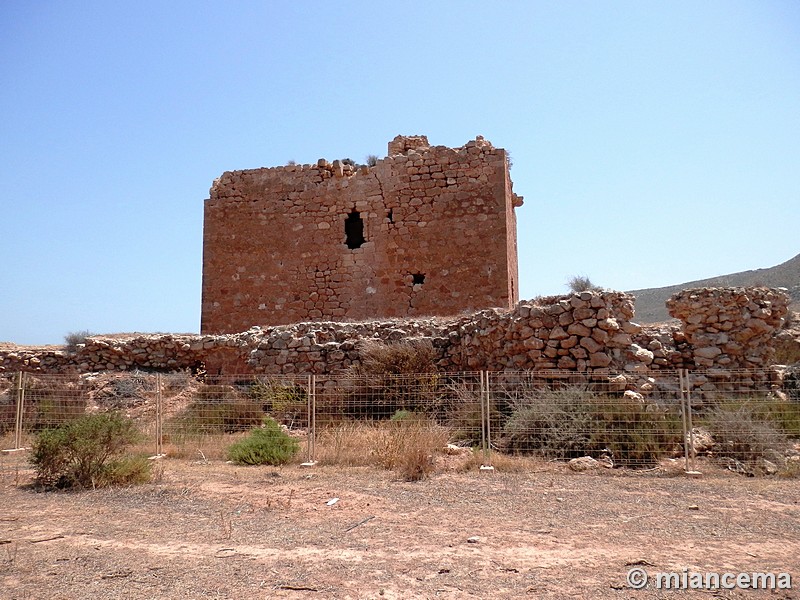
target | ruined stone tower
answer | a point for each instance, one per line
(428, 230)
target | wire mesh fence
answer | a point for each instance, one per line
(748, 421)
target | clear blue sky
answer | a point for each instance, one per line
(654, 142)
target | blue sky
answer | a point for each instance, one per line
(654, 143)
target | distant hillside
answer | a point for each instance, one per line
(650, 302)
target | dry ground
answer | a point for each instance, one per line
(213, 530)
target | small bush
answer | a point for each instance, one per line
(73, 338)
(581, 283)
(404, 416)
(286, 402)
(216, 409)
(637, 434)
(742, 433)
(89, 452)
(392, 377)
(462, 413)
(416, 464)
(555, 424)
(573, 422)
(372, 160)
(268, 445)
(49, 402)
(125, 390)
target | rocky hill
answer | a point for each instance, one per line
(650, 303)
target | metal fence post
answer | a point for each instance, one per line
(159, 417)
(311, 420)
(486, 428)
(688, 427)
(20, 410)
(692, 452)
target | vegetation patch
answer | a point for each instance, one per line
(267, 445)
(89, 452)
(216, 409)
(392, 377)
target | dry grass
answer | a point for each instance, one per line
(405, 446)
(202, 446)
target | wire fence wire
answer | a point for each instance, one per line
(749, 421)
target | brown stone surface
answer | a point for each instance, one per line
(428, 230)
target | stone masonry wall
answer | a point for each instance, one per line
(730, 328)
(428, 230)
(590, 333)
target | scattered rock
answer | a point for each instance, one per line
(584, 463)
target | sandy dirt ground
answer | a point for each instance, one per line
(214, 530)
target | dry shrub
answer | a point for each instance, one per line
(74, 338)
(287, 402)
(581, 283)
(573, 422)
(505, 463)
(791, 470)
(392, 377)
(49, 402)
(202, 447)
(215, 409)
(743, 433)
(462, 413)
(124, 390)
(406, 446)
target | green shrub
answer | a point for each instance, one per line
(268, 445)
(404, 416)
(553, 423)
(89, 452)
(49, 402)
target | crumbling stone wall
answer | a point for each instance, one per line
(591, 333)
(587, 332)
(730, 328)
(428, 230)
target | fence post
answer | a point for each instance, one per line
(311, 411)
(688, 427)
(692, 452)
(684, 420)
(486, 428)
(159, 418)
(20, 410)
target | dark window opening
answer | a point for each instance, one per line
(390, 216)
(354, 230)
(418, 278)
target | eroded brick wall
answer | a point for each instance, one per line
(428, 230)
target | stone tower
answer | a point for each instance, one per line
(426, 231)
